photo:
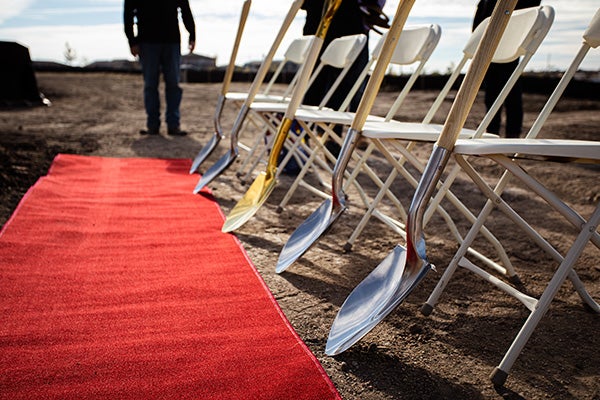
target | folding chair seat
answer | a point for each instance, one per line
(510, 154)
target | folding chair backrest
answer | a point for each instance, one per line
(518, 39)
(295, 53)
(592, 34)
(415, 44)
(343, 51)
(340, 53)
(525, 32)
(591, 39)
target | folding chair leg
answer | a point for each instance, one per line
(300, 177)
(250, 156)
(267, 131)
(259, 157)
(372, 207)
(447, 275)
(500, 373)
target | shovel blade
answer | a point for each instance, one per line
(253, 199)
(307, 233)
(217, 168)
(205, 152)
(374, 298)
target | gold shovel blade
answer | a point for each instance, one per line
(253, 199)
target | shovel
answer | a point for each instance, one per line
(226, 160)
(218, 135)
(328, 212)
(399, 273)
(265, 182)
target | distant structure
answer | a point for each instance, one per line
(114, 65)
(198, 62)
(288, 67)
(18, 85)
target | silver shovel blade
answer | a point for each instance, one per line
(205, 152)
(308, 233)
(374, 298)
(217, 168)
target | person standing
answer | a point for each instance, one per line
(353, 17)
(157, 43)
(498, 74)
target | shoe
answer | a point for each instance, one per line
(150, 132)
(176, 132)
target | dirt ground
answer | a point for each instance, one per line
(449, 354)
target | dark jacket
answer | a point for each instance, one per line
(485, 8)
(349, 19)
(157, 21)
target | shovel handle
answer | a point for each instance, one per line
(236, 46)
(468, 90)
(298, 95)
(266, 64)
(329, 11)
(304, 77)
(331, 6)
(368, 98)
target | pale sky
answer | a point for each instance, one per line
(93, 28)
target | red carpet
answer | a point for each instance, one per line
(117, 283)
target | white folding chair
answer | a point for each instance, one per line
(254, 88)
(509, 154)
(295, 54)
(340, 53)
(526, 30)
(415, 46)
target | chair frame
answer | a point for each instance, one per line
(409, 133)
(340, 53)
(507, 154)
(414, 47)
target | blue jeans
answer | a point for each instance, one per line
(154, 58)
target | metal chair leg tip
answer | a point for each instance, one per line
(426, 309)
(498, 377)
(515, 280)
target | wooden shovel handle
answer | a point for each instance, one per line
(264, 68)
(311, 59)
(468, 90)
(236, 46)
(368, 98)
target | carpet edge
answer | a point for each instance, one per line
(311, 356)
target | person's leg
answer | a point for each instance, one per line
(150, 61)
(493, 84)
(514, 111)
(316, 91)
(171, 60)
(349, 80)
